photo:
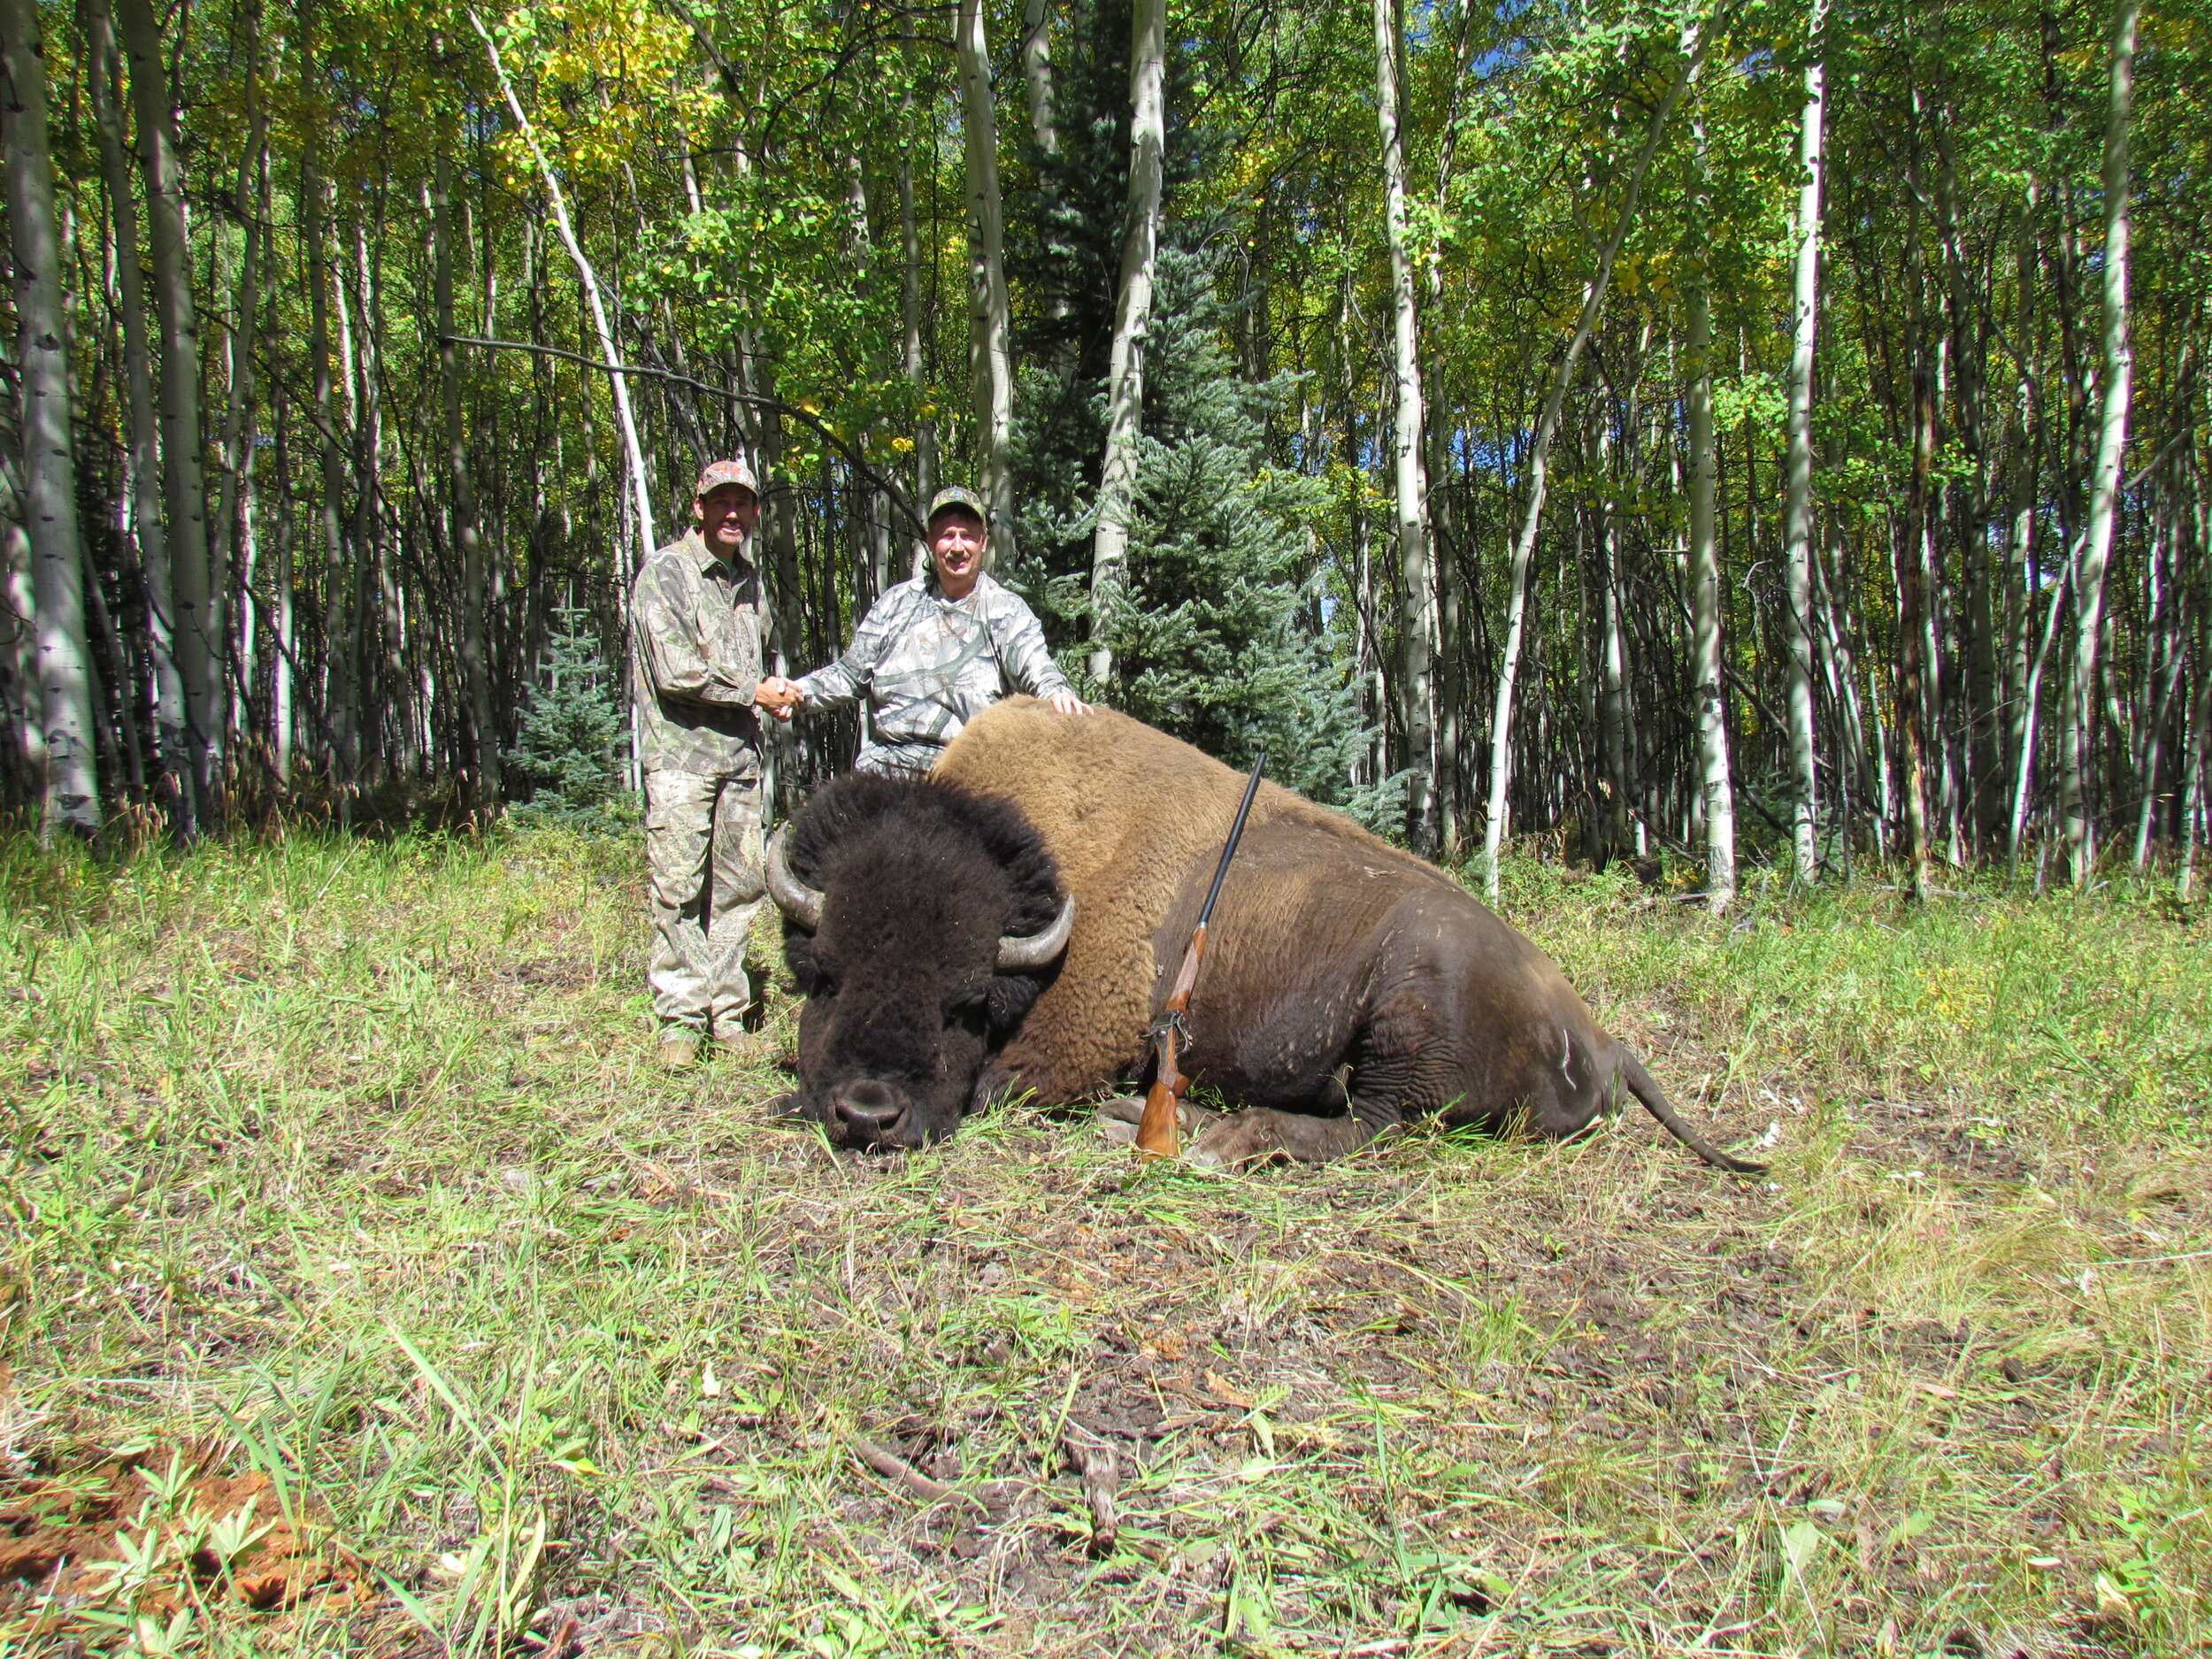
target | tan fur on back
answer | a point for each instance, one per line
(1127, 810)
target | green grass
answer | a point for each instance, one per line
(343, 1163)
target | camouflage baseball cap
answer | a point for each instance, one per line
(714, 474)
(956, 495)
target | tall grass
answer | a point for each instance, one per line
(342, 1161)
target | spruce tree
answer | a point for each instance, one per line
(1224, 638)
(573, 733)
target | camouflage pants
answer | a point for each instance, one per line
(703, 853)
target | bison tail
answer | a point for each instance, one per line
(1642, 1084)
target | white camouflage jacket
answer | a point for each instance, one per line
(929, 665)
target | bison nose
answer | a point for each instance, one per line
(869, 1107)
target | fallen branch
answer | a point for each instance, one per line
(752, 400)
(892, 1467)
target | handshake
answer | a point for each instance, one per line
(778, 695)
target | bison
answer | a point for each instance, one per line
(1013, 924)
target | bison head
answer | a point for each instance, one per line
(920, 922)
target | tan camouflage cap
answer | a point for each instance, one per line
(714, 474)
(956, 495)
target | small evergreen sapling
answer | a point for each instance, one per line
(573, 736)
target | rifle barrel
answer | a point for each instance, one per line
(1229, 850)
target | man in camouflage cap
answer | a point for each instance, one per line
(695, 624)
(934, 652)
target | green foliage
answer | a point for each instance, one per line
(574, 730)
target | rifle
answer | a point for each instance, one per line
(1158, 1131)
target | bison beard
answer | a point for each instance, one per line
(915, 886)
(1348, 987)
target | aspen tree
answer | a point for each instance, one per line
(475, 646)
(1416, 621)
(229, 553)
(1133, 317)
(626, 419)
(1037, 74)
(1798, 510)
(2076, 805)
(194, 587)
(990, 310)
(50, 471)
(148, 519)
(1708, 689)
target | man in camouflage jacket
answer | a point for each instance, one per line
(934, 652)
(695, 673)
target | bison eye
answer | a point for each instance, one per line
(969, 1010)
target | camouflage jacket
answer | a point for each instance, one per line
(929, 665)
(695, 631)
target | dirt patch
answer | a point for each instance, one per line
(162, 1528)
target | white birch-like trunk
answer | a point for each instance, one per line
(1797, 532)
(341, 659)
(1613, 694)
(991, 314)
(1417, 619)
(2104, 489)
(910, 331)
(1133, 320)
(2024, 669)
(1709, 693)
(281, 627)
(50, 471)
(199, 624)
(148, 529)
(632, 451)
(1037, 74)
(1540, 461)
(227, 555)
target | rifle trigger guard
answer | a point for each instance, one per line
(1171, 1020)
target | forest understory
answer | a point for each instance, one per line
(1699, 424)
(367, 1292)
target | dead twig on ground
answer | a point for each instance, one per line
(892, 1467)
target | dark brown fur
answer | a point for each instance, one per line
(1349, 987)
(902, 999)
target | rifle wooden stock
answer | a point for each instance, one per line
(1159, 1131)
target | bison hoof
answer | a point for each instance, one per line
(1247, 1137)
(1258, 1136)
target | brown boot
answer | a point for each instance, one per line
(734, 1042)
(678, 1049)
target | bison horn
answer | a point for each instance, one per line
(1016, 951)
(800, 902)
